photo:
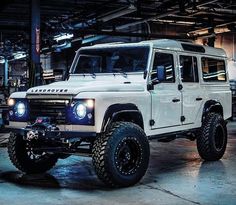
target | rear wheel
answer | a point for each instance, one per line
(212, 141)
(121, 156)
(26, 159)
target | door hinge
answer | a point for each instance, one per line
(180, 87)
(152, 122)
(182, 118)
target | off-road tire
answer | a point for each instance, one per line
(109, 159)
(212, 141)
(18, 155)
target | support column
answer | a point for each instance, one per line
(35, 67)
(211, 31)
(211, 40)
(6, 73)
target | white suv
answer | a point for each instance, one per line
(117, 97)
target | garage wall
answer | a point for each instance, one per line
(227, 41)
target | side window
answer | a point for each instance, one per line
(213, 69)
(188, 68)
(166, 61)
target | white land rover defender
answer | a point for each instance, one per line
(117, 97)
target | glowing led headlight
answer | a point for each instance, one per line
(20, 109)
(11, 102)
(80, 111)
(90, 103)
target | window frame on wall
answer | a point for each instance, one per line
(153, 70)
(224, 69)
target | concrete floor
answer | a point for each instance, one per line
(176, 175)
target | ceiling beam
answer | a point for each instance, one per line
(84, 32)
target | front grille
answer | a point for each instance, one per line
(54, 109)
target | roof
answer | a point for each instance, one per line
(168, 44)
(186, 46)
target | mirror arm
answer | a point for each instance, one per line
(155, 82)
(150, 85)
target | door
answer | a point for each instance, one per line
(166, 98)
(192, 94)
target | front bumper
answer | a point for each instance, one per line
(57, 134)
(46, 137)
(64, 132)
(81, 128)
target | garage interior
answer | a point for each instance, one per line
(38, 40)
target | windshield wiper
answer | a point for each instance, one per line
(120, 71)
(93, 75)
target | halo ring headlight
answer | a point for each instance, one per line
(80, 110)
(20, 109)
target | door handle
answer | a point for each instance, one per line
(175, 100)
(198, 99)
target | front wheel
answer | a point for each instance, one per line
(24, 158)
(212, 141)
(121, 156)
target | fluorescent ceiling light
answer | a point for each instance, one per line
(2, 61)
(20, 56)
(63, 36)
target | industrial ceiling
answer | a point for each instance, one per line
(190, 19)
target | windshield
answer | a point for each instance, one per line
(112, 60)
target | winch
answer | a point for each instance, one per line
(39, 129)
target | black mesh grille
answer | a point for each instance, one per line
(55, 109)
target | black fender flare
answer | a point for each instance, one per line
(115, 110)
(210, 106)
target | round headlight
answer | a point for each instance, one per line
(80, 111)
(20, 109)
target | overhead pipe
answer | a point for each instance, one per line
(219, 10)
(108, 16)
(117, 13)
(171, 12)
(131, 9)
(127, 34)
(221, 28)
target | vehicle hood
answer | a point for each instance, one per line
(74, 88)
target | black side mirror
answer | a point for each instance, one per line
(161, 73)
(158, 77)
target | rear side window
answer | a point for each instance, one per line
(166, 61)
(188, 68)
(213, 69)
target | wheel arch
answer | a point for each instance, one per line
(212, 106)
(122, 112)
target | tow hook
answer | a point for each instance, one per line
(31, 135)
